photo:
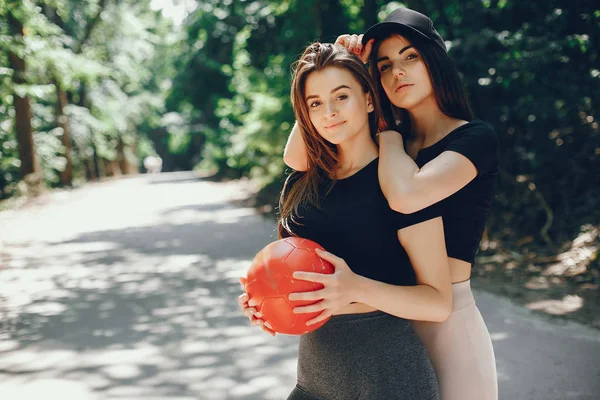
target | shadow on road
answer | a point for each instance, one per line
(133, 296)
(146, 311)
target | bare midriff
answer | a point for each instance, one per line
(460, 270)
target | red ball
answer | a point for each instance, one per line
(270, 282)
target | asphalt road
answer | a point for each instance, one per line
(127, 290)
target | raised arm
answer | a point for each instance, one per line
(409, 188)
(294, 154)
(431, 298)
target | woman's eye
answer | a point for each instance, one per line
(384, 67)
(411, 57)
(314, 104)
(342, 97)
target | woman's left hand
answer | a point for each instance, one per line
(339, 288)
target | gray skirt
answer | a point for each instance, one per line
(367, 356)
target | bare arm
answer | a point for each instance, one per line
(431, 298)
(409, 189)
(294, 154)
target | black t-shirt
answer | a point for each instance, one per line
(355, 222)
(465, 212)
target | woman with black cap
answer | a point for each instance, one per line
(444, 155)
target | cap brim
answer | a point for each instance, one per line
(383, 29)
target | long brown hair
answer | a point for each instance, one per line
(303, 188)
(448, 89)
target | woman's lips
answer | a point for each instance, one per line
(335, 125)
(402, 86)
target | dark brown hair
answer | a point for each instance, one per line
(448, 88)
(322, 155)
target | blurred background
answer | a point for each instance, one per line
(89, 89)
(126, 283)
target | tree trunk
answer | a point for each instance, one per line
(82, 95)
(94, 167)
(66, 176)
(133, 165)
(24, 132)
(112, 168)
(98, 166)
(121, 159)
(90, 172)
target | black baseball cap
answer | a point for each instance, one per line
(405, 20)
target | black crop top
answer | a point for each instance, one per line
(465, 212)
(355, 222)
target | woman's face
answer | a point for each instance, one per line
(337, 105)
(403, 73)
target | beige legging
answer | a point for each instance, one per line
(461, 350)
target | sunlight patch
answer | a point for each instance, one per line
(8, 345)
(67, 249)
(499, 336)
(47, 309)
(178, 263)
(142, 356)
(568, 304)
(126, 371)
(232, 268)
(42, 388)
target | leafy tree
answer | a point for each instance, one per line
(87, 89)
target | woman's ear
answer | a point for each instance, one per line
(370, 106)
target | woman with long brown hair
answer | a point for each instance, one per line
(389, 267)
(436, 152)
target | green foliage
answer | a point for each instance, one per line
(107, 58)
(214, 90)
(532, 71)
(9, 153)
(256, 121)
(530, 68)
(50, 149)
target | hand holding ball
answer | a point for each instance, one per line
(270, 282)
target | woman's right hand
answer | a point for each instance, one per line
(249, 311)
(354, 45)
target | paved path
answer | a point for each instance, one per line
(127, 290)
